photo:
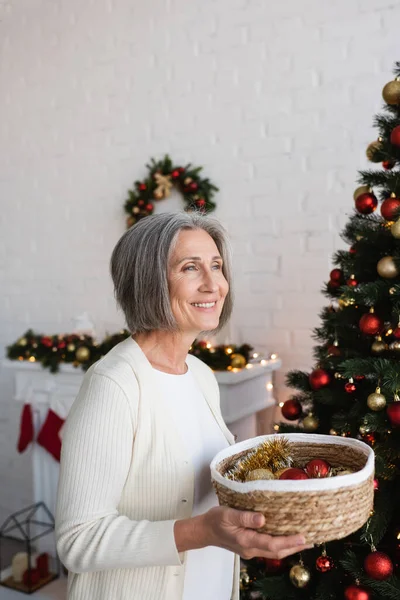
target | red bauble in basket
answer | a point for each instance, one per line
(356, 592)
(291, 410)
(371, 324)
(378, 566)
(389, 208)
(393, 412)
(293, 473)
(366, 203)
(317, 468)
(319, 379)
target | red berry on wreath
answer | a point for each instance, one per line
(175, 174)
(149, 207)
(366, 203)
(193, 187)
(356, 592)
(371, 324)
(353, 250)
(200, 202)
(318, 467)
(291, 409)
(378, 566)
(319, 379)
(395, 136)
(141, 203)
(142, 187)
(389, 207)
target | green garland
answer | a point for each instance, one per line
(83, 351)
(162, 177)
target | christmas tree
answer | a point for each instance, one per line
(354, 388)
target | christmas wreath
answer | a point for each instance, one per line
(162, 177)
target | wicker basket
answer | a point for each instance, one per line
(320, 509)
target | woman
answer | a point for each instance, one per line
(136, 514)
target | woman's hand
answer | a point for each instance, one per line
(235, 530)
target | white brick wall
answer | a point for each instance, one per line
(275, 99)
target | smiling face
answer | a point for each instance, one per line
(197, 286)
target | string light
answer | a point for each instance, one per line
(270, 386)
(249, 366)
(264, 362)
(273, 356)
(209, 345)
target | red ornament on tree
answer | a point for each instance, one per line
(396, 332)
(352, 250)
(200, 202)
(369, 438)
(350, 387)
(378, 565)
(318, 467)
(395, 136)
(324, 563)
(356, 592)
(333, 350)
(334, 283)
(272, 565)
(371, 324)
(366, 203)
(291, 409)
(388, 164)
(319, 379)
(393, 412)
(376, 484)
(293, 473)
(389, 208)
(336, 275)
(352, 282)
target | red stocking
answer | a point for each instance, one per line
(25, 428)
(49, 434)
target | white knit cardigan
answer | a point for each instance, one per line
(125, 478)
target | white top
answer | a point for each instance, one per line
(209, 571)
(125, 478)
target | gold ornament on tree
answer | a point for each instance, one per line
(363, 189)
(386, 268)
(372, 149)
(376, 401)
(22, 341)
(395, 346)
(310, 423)
(299, 575)
(238, 361)
(164, 186)
(395, 229)
(82, 354)
(391, 92)
(378, 346)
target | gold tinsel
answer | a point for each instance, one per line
(273, 455)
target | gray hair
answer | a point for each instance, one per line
(139, 269)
